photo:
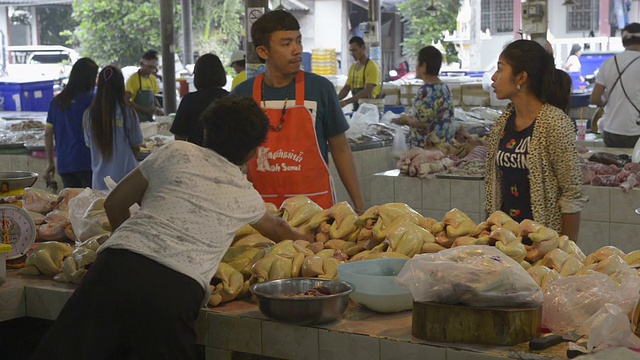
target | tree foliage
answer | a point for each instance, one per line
(217, 26)
(422, 29)
(117, 31)
(53, 21)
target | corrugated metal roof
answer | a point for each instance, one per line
(289, 5)
(34, 2)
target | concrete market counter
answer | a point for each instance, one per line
(239, 326)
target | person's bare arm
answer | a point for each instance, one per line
(410, 121)
(158, 109)
(363, 94)
(50, 171)
(344, 92)
(571, 225)
(136, 107)
(343, 159)
(128, 192)
(596, 95)
(276, 229)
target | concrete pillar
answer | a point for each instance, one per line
(374, 37)
(168, 53)
(187, 43)
(254, 9)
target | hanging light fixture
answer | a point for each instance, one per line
(431, 10)
(569, 3)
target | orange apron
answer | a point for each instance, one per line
(289, 162)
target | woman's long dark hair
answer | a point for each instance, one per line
(545, 82)
(102, 112)
(81, 80)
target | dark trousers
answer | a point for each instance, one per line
(78, 179)
(619, 141)
(127, 307)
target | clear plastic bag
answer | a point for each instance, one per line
(609, 328)
(85, 228)
(569, 302)
(480, 276)
(399, 146)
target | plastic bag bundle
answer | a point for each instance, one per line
(85, 226)
(480, 276)
(569, 302)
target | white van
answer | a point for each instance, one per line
(47, 62)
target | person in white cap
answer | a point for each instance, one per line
(238, 63)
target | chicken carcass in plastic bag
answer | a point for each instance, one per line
(478, 275)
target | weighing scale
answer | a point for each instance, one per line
(16, 226)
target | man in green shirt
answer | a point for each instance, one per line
(364, 76)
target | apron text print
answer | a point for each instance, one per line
(265, 156)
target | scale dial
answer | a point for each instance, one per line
(18, 229)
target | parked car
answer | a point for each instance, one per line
(47, 62)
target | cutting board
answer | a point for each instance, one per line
(473, 325)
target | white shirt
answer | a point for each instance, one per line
(195, 202)
(573, 64)
(619, 115)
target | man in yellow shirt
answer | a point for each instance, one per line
(238, 63)
(364, 76)
(142, 86)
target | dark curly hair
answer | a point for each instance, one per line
(233, 127)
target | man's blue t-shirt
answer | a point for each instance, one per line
(321, 99)
(71, 152)
(126, 133)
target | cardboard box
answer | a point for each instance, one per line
(407, 93)
(474, 95)
(4, 250)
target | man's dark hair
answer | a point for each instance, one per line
(633, 28)
(209, 72)
(267, 24)
(233, 127)
(431, 56)
(356, 40)
(150, 55)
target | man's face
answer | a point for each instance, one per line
(357, 51)
(284, 54)
(148, 67)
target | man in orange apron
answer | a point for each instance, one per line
(306, 121)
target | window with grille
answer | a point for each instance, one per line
(497, 16)
(583, 16)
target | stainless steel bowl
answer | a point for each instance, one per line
(13, 180)
(274, 303)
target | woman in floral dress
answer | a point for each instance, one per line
(432, 110)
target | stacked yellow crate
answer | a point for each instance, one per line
(324, 62)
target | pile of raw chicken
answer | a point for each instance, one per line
(392, 230)
(598, 169)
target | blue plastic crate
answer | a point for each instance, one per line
(25, 95)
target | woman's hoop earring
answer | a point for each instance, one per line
(518, 87)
